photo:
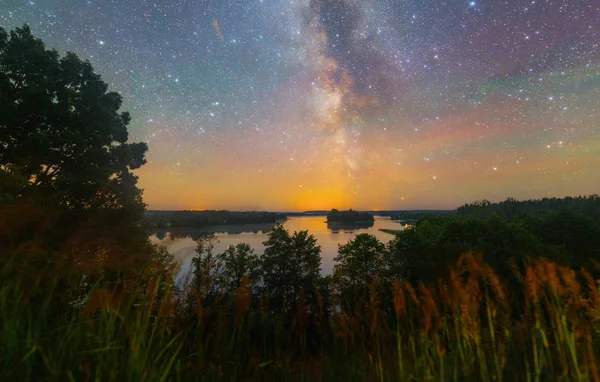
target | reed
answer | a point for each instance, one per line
(542, 325)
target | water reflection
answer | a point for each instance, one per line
(181, 241)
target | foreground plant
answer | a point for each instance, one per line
(471, 326)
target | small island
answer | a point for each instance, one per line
(350, 216)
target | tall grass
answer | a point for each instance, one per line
(542, 325)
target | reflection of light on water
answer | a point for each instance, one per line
(183, 246)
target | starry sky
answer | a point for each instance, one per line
(290, 105)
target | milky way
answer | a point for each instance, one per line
(311, 104)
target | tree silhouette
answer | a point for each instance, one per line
(205, 271)
(349, 216)
(61, 133)
(358, 262)
(290, 265)
(66, 181)
(237, 262)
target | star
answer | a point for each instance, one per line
(223, 90)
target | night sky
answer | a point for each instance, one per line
(315, 104)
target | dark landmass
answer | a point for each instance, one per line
(306, 213)
(159, 219)
(337, 227)
(202, 219)
(408, 214)
(411, 217)
(196, 233)
(411, 212)
(349, 216)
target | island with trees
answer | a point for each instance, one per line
(349, 216)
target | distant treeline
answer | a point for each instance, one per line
(307, 213)
(417, 214)
(199, 219)
(349, 216)
(565, 231)
(513, 209)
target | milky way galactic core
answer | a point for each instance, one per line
(315, 104)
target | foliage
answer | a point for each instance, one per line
(513, 209)
(349, 216)
(359, 261)
(289, 264)
(205, 268)
(412, 216)
(461, 328)
(66, 183)
(563, 236)
(222, 273)
(238, 262)
(60, 130)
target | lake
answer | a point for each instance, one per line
(181, 241)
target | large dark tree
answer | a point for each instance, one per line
(66, 181)
(61, 132)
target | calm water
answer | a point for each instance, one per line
(181, 242)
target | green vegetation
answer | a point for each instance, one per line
(66, 183)
(350, 216)
(491, 294)
(472, 325)
(413, 216)
(513, 209)
(567, 234)
(200, 219)
(390, 231)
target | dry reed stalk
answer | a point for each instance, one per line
(591, 357)
(243, 298)
(374, 304)
(429, 308)
(470, 308)
(549, 272)
(532, 290)
(411, 292)
(103, 299)
(399, 299)
(592, 288)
